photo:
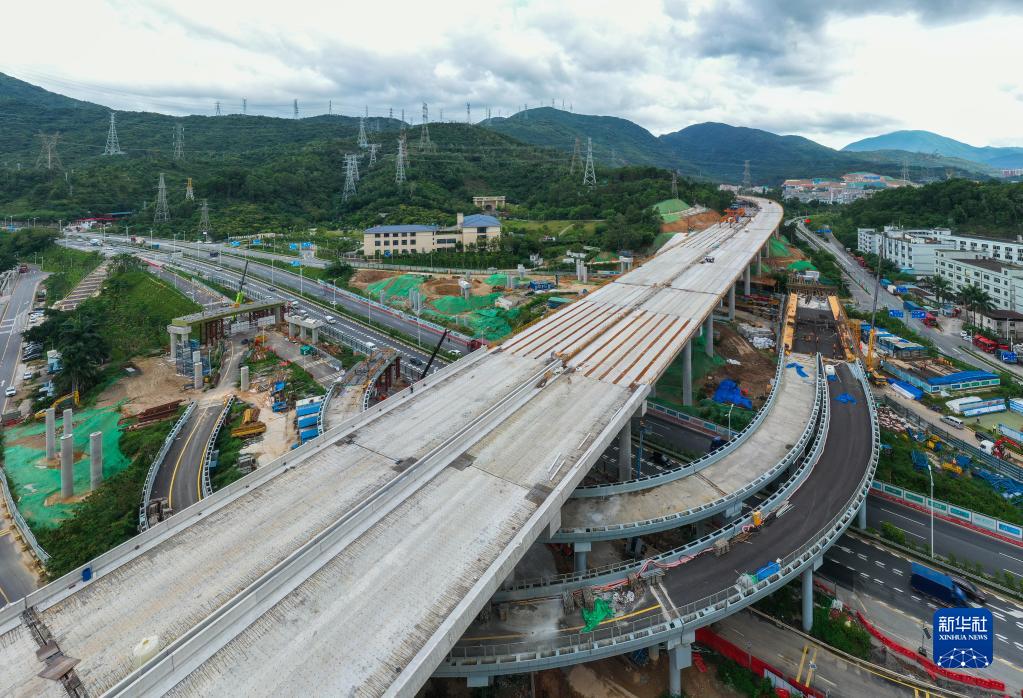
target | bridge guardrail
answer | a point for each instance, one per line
(524, 589)
(207, 454)
(942, 508)
(20, 523)
(154, 467)
(655, 479)
(617, 638)
(676, 519)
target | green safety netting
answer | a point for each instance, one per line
(492, 324)
(497, 280)
(454, 305)
(34, 482)
(778, 248)
(396, 287)
(601, 611)
(669, 209)
(802, 265)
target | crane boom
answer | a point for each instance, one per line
(241, 285)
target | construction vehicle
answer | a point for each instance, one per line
(1000, 449)
(426, 369)
(238, 298)
(250, 425)
(59, 404)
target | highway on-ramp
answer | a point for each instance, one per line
(179, 478)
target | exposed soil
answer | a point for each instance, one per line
(698, 222)
(154, 383)
(753, 375)
(364, 277)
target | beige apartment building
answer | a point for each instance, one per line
(393, 240)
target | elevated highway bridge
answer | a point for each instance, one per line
(372, 548)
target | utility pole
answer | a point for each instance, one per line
(189, 192)
(576, 156)
(162, 214)
(204, 219)
(217, 112)
(674, 184)
(295, 108)
(113, 146)
(48, 156)
(747, 182)
(179, 141)
(399, 171)
(349, 191)
(589, 177)
(424, 134)
(363, 142)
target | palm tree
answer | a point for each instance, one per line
(983, 302)
(941, 287)
(83, 349)
(967, 296)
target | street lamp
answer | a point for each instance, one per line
(930, 505)
(730, 408)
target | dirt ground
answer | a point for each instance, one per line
(756, 369)
(697, 222)
(154, 384)
(447, 285)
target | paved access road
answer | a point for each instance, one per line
(179, 478)
(996, 556)
(876, 574)
(16, 579)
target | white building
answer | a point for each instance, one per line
(477, 230)
(912, 251)
(1002, 280)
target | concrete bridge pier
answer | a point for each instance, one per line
(680, 656)
(731, 302)
(807, 599)
(746, 281)
(51, 434)
(316, 335)
(291, 329)
(69, 421)
(579, 550)
(760, 259)
(861, 516)
(197, 375)
(625, 452)
(687, 373)
(243, 378)
(477, 681)
(708, 334)
(67, 462)
(95, 459)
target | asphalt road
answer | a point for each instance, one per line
(179, 476)
(870, 570)
(16, 580)
(993, 554)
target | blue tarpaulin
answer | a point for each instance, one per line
(846, 399)
(728, 392)
(799, 369)
(279, 386)
(919, 460)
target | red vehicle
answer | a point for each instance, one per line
(982, 342)
(23, 268)
(930, 320)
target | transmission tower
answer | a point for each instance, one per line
(589, 177)
(179, 141)
(330, 107)
(373, 148)
(349, 191)
(399, 171)
(355, 166)
(488, 113)
(295, 108)
(747, 182)
(905, 169)
(48, 156)
(162, 215)
(404, 147)
(245, 106)
(468, 113)
(363, 142)
(113, 146)
(576, 155)
(189, 192)
(674, 184)
(204, 219)
(217, 112)
(425, 145)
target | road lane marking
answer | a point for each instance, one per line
(177, 464)
(998, 615)
(897, 571)
(878, 581)
(879, 564)
(861, 556)
(1010, 557)
(1002, 637)
(864, 575)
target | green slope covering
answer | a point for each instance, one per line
(669, 209)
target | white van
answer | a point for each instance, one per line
(330, 319)
(952, 421)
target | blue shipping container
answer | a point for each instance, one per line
(307, 434)
(308, 409)
(306, 422)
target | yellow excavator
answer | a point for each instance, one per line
(59, 403)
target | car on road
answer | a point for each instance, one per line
(11, 392)
(963, 334)
(330, 319)
(415, 361)
(28, 375)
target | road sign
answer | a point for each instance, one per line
(896, 313)
(918, 314)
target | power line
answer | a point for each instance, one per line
(162, 214)
(113, 147)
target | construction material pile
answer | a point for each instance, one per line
(759, 337)
(890, 421)
(152, 415)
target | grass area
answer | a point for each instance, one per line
(109, 516)
(300, 383)
(229, 447)
(346, 356)
(896, 467)
(660, 241)
(833, 628)
(140, 306)
(66, 267)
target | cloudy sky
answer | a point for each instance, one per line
(834, 72)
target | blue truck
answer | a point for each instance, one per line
(1008, 357)
(910, 305)
(937, 585)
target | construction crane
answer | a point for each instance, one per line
(871, 367)
(241, 284)
(434, 354)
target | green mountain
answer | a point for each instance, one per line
(935, 144)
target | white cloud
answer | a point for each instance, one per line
(833, 75)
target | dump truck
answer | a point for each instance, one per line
(937, 585)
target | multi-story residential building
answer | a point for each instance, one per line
(1002, 280)
(392, 240)
(913, 251)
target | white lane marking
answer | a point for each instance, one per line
(915, 598)
(1010, 557)
(998, 615)
(878, 581)
(864, 575)
(1018, 646)
(897, 571)
(1002, 637)
(894, 513)
(844, 549)
(897, 590)
(879, 564)
(932, 605)
(861, 556)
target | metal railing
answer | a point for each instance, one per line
(207, 454)
(154, 467)
(655, 479)
(20, 523)
(615, 638)
(526, 588)
(673, 520)
(695, 422)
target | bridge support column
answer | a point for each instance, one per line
(625, 452)
(477, 681)
(69, 421)
(680, 656)
(95, 459)
(316, 335)
(746, 281)
(291, 329)
(807, 599)
(579, 551)
(687, 373)
(861, 516)
(51, 434)
(243, 378)
(708, 334)
(174, 346)
(731, 302)
(760, 258)
(67, 462)
(197, 375)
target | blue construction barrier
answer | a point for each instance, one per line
(728, 392)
